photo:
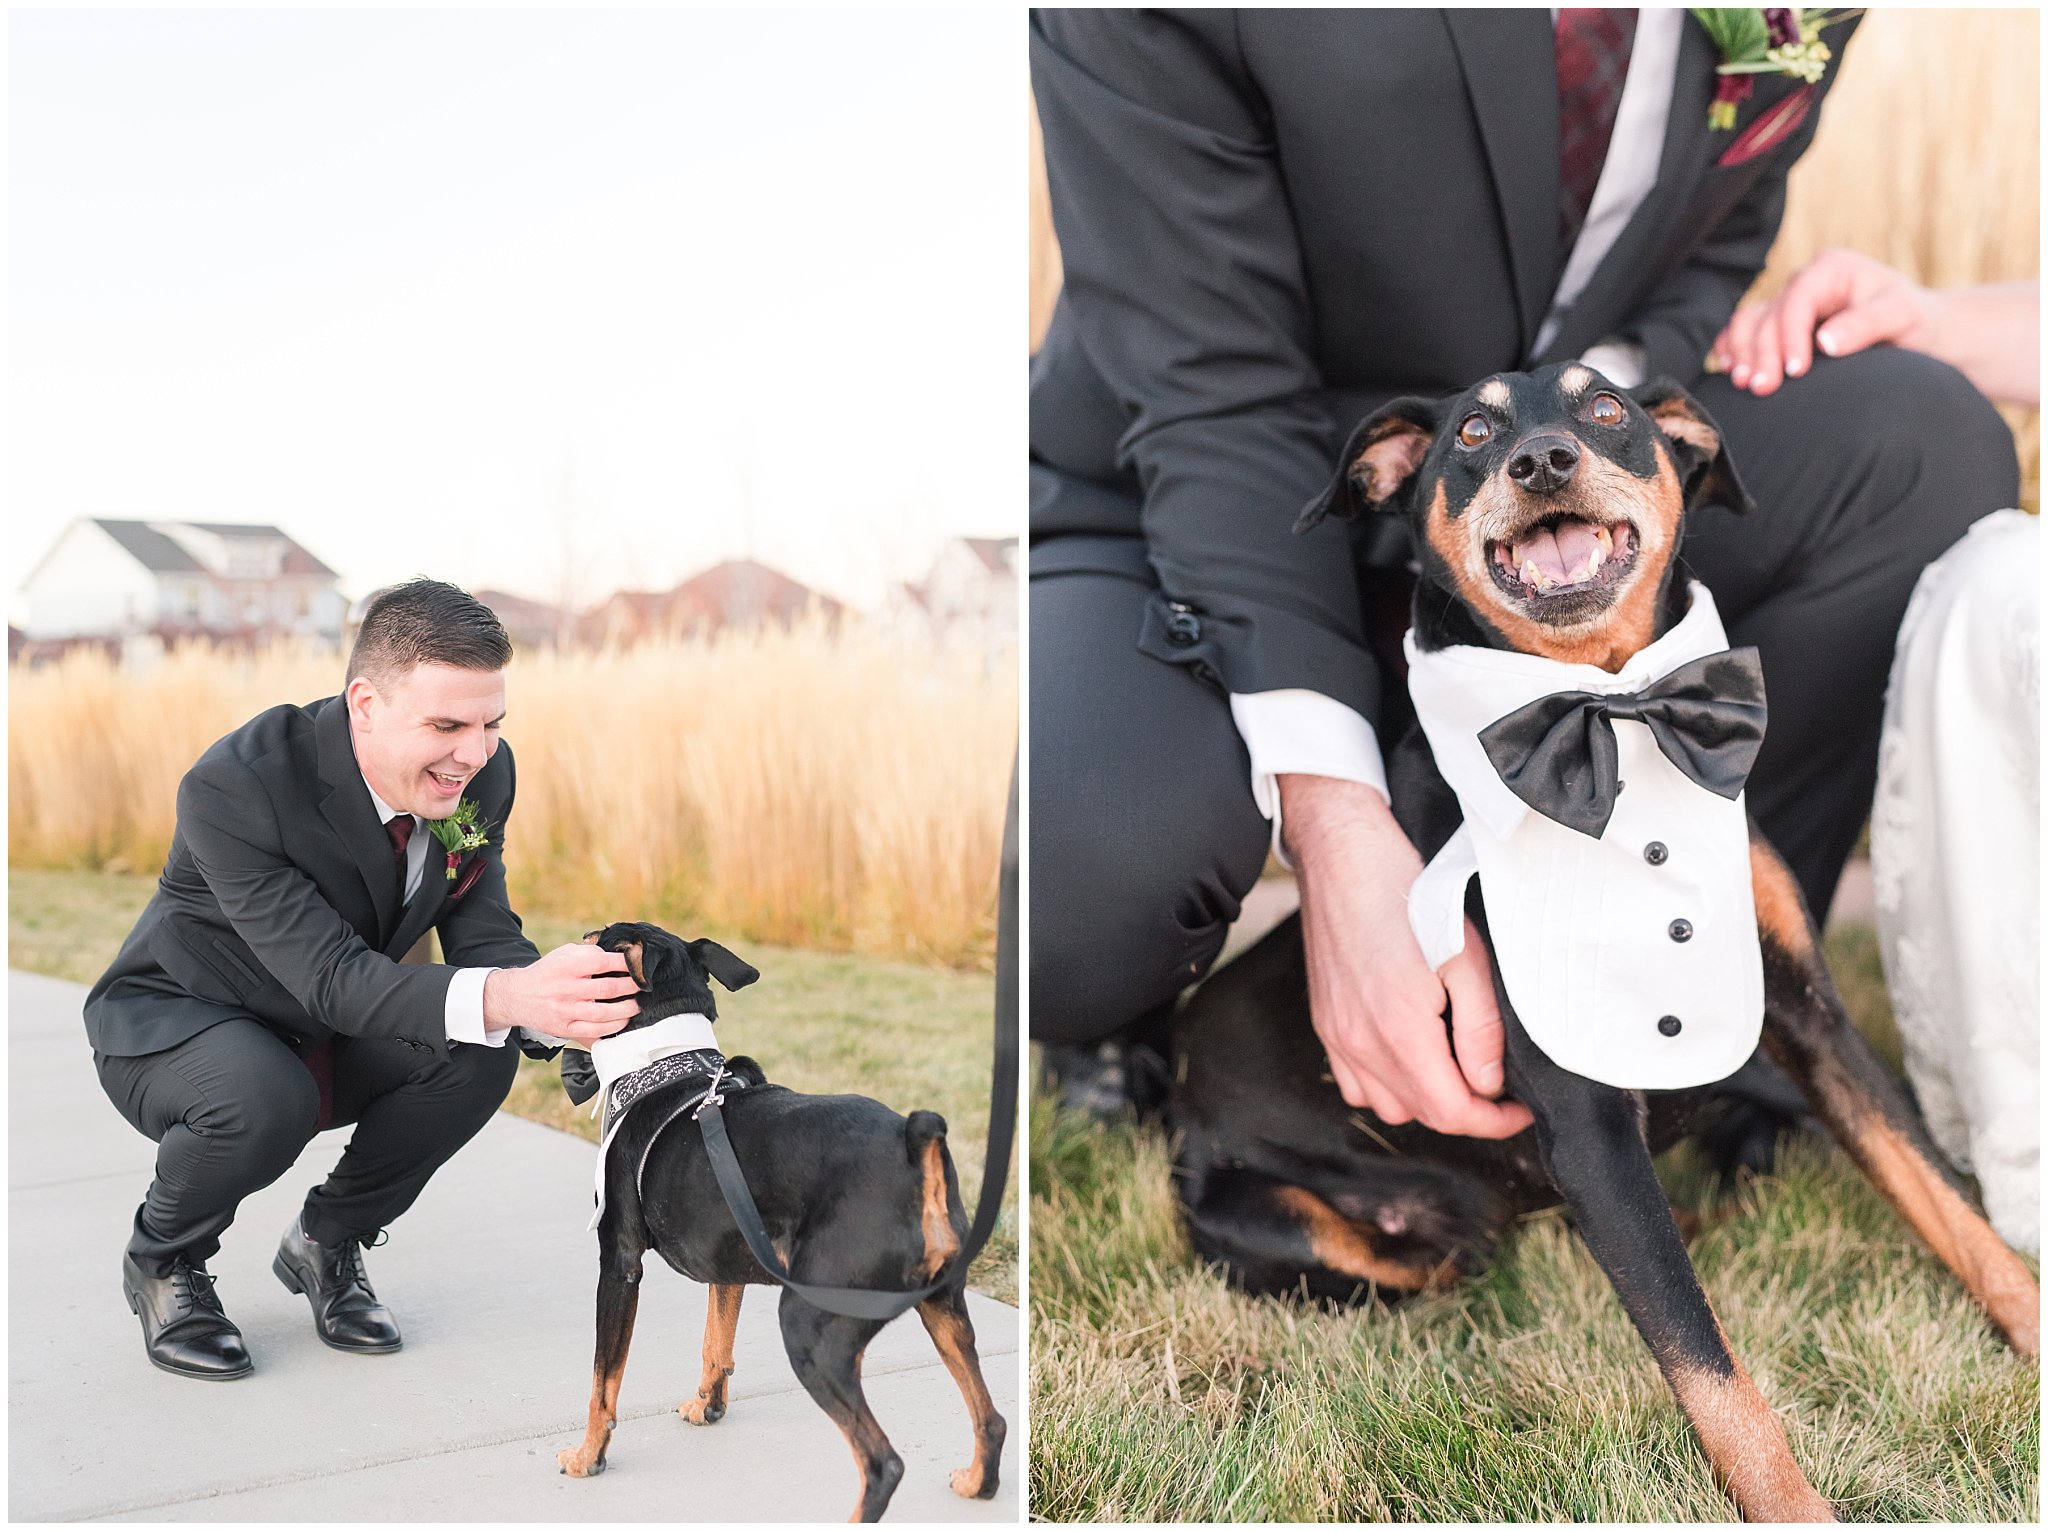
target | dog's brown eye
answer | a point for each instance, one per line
(1607, 410)
(1475, 431)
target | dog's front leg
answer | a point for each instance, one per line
(1592, 1143)
(618, 1297)
(1809, 1035)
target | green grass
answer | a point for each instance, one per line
(909, 1036)
(1158, 1394)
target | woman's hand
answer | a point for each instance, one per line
(1841, 301)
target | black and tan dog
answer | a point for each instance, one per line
(1547, 510)
(851, 1195)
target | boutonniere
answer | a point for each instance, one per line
(1763, 42)
(462, 831)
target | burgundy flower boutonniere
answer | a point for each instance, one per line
(1754, 42)
(461, 832)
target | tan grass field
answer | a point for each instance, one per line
(838, 791)
(1928, 158)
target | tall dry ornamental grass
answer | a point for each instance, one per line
(842, 792)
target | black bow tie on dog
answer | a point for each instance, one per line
(1558, 755)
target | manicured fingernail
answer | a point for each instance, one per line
(1795, 368)
(1739, 377)
(1827, 342)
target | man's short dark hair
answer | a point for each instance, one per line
(424, 621)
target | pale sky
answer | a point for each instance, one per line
(522, 299)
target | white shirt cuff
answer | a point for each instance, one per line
(463, 1015)
(1304, 733)
(1620, 361)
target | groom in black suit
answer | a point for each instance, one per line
(1273, 221)
(262, 995)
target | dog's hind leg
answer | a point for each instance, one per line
(825, 1350)
(1593, 1147)
(952, 1331)
(1807, 1032)
(1276, 1238)
(618, 1297)
(721, 1320)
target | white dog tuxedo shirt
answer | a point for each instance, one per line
(1628, 944)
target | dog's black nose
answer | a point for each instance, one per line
(1544, 464)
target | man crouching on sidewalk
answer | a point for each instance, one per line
(261, 997)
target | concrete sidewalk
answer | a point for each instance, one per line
(492, 1276)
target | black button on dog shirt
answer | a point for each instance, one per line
(1681, 930)
(1655, 853)
(1670, 1025)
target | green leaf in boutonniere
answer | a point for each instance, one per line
(463, 830)
(1755, 42)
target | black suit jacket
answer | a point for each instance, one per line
(280, 900)
(1271, 222)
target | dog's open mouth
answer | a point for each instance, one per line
(1562, 555)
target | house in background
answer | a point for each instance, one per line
(119, 580)
(736, 594)
(970, 589)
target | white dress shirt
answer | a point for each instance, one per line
(463, 1011)
(1306, 733)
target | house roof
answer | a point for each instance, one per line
(162, 555)
(995, 553)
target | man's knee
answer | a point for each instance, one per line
(1925, 436)
(268, 1112)
(482, 1076)
(1123, 917)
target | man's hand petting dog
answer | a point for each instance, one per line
(575, 993)
(1377, 1006)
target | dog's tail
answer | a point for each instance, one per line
(924, 1137)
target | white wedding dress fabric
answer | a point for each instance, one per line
(1955, 856)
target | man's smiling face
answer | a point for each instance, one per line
(423, 733)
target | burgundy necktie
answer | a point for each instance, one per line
(399, 828)
(1592, 63)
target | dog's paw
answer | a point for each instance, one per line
(578, 1462)
(702, 1410)
(967, 1482)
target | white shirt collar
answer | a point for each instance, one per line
(385, 812)
(1460, 690)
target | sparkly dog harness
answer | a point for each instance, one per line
(1623, 924)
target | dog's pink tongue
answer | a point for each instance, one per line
(1559, 554)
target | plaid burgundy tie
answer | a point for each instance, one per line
(1592, 62)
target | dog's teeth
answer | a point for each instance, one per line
(1531, 575)
(1605, 538)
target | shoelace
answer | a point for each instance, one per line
(194, 1287)
(346, 1261)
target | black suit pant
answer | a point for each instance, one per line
(231, 1108)
(1144, 836)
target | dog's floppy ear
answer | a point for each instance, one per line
(1697, 446)
(1378, 466)
(723, 965)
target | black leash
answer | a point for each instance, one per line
(861, 1302)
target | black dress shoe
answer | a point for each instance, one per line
(346, 1313)
(184, 1329)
